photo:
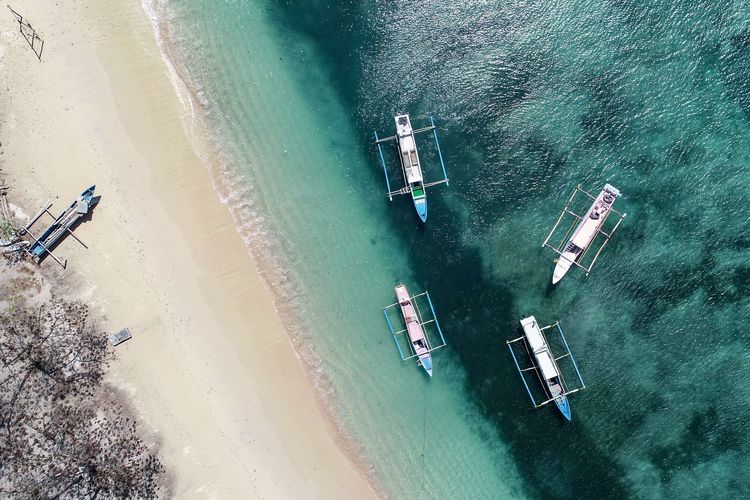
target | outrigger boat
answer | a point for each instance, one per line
(544, 363)
(411, 167)
(62, 225)
(420, 346)
(589, 225)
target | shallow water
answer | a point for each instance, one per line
(532, 98)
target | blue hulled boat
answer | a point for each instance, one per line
(544, 363)
(64, 222)
(411, 168)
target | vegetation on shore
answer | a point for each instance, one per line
(64, 432)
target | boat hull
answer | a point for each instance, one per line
(426, 363)
(421, 206)
(414, 329)
(564, 406)
(563, 265)
(547, 366)
(586, 231)
(57, 229)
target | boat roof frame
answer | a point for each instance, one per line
(535, 368)
(406, 188)
(576, 219)
(422, 323)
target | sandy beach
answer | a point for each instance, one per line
(210, 369)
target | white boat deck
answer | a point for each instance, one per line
(408, 149)
(539, 347)
(586, 231)
(594, 218)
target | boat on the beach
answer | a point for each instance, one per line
(588, 226)
(64, 222)
(419, 343)
(411, 167)
(61, 226)
(544, 363)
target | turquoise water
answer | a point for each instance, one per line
(532, 98)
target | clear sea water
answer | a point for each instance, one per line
(532, 98)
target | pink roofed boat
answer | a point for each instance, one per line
(415, 330)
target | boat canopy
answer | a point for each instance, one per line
(407, 144)
(545, 363)
(413, 174)
(539, 347)
(533, 334)
(409, 160)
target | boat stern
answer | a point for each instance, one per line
(561, 268)
(420, 204)
(427, 364)
(564, 406)
(37, 249)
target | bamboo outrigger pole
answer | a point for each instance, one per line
(63, 264)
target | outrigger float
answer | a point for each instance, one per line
(545, 365)
(61, 226)
(411, 167)
(420, 346)
(578, 238)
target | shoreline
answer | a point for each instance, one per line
(107, 110)
(267, 255)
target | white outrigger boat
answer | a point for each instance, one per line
(411, 167)
(573, 248)
(420, 346)
(544, 363)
